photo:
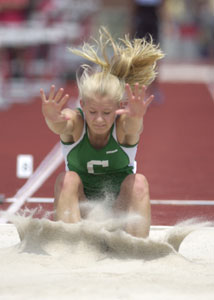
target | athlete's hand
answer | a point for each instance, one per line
(136, 105)
(52, 106)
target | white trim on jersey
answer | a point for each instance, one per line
(130, 151)
(67, 148)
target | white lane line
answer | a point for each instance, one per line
(153, 201)
(32, 200)
(183, 202)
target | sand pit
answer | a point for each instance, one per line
(41, 259)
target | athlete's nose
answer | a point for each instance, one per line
(99, 119)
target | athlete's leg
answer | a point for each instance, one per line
(68, 193)
(134, 199)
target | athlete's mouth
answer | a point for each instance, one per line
(99, 126)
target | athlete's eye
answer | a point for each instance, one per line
(92, 112)
(106, 112)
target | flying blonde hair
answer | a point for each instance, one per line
(131, 61)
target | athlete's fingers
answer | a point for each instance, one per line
(63, 101)
(149, 100)
(143, 92)
(59, 95)
(136, 91)
(129, 91)
(42, 93)
(51, 94)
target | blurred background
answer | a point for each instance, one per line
(35, 36)
(176, 151)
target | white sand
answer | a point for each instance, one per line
(96, 260)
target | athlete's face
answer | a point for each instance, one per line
(99, 113)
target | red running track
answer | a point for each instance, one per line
(176, 151)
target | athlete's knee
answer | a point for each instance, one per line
(137, 184)
(141, 184)
(68, 181)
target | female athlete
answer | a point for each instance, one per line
(100, 139)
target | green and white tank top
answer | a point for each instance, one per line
(83, 158)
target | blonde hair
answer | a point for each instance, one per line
(132, 61)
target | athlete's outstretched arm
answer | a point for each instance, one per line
(57, 118)
(131, 117)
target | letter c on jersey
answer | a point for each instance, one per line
(91, 163)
